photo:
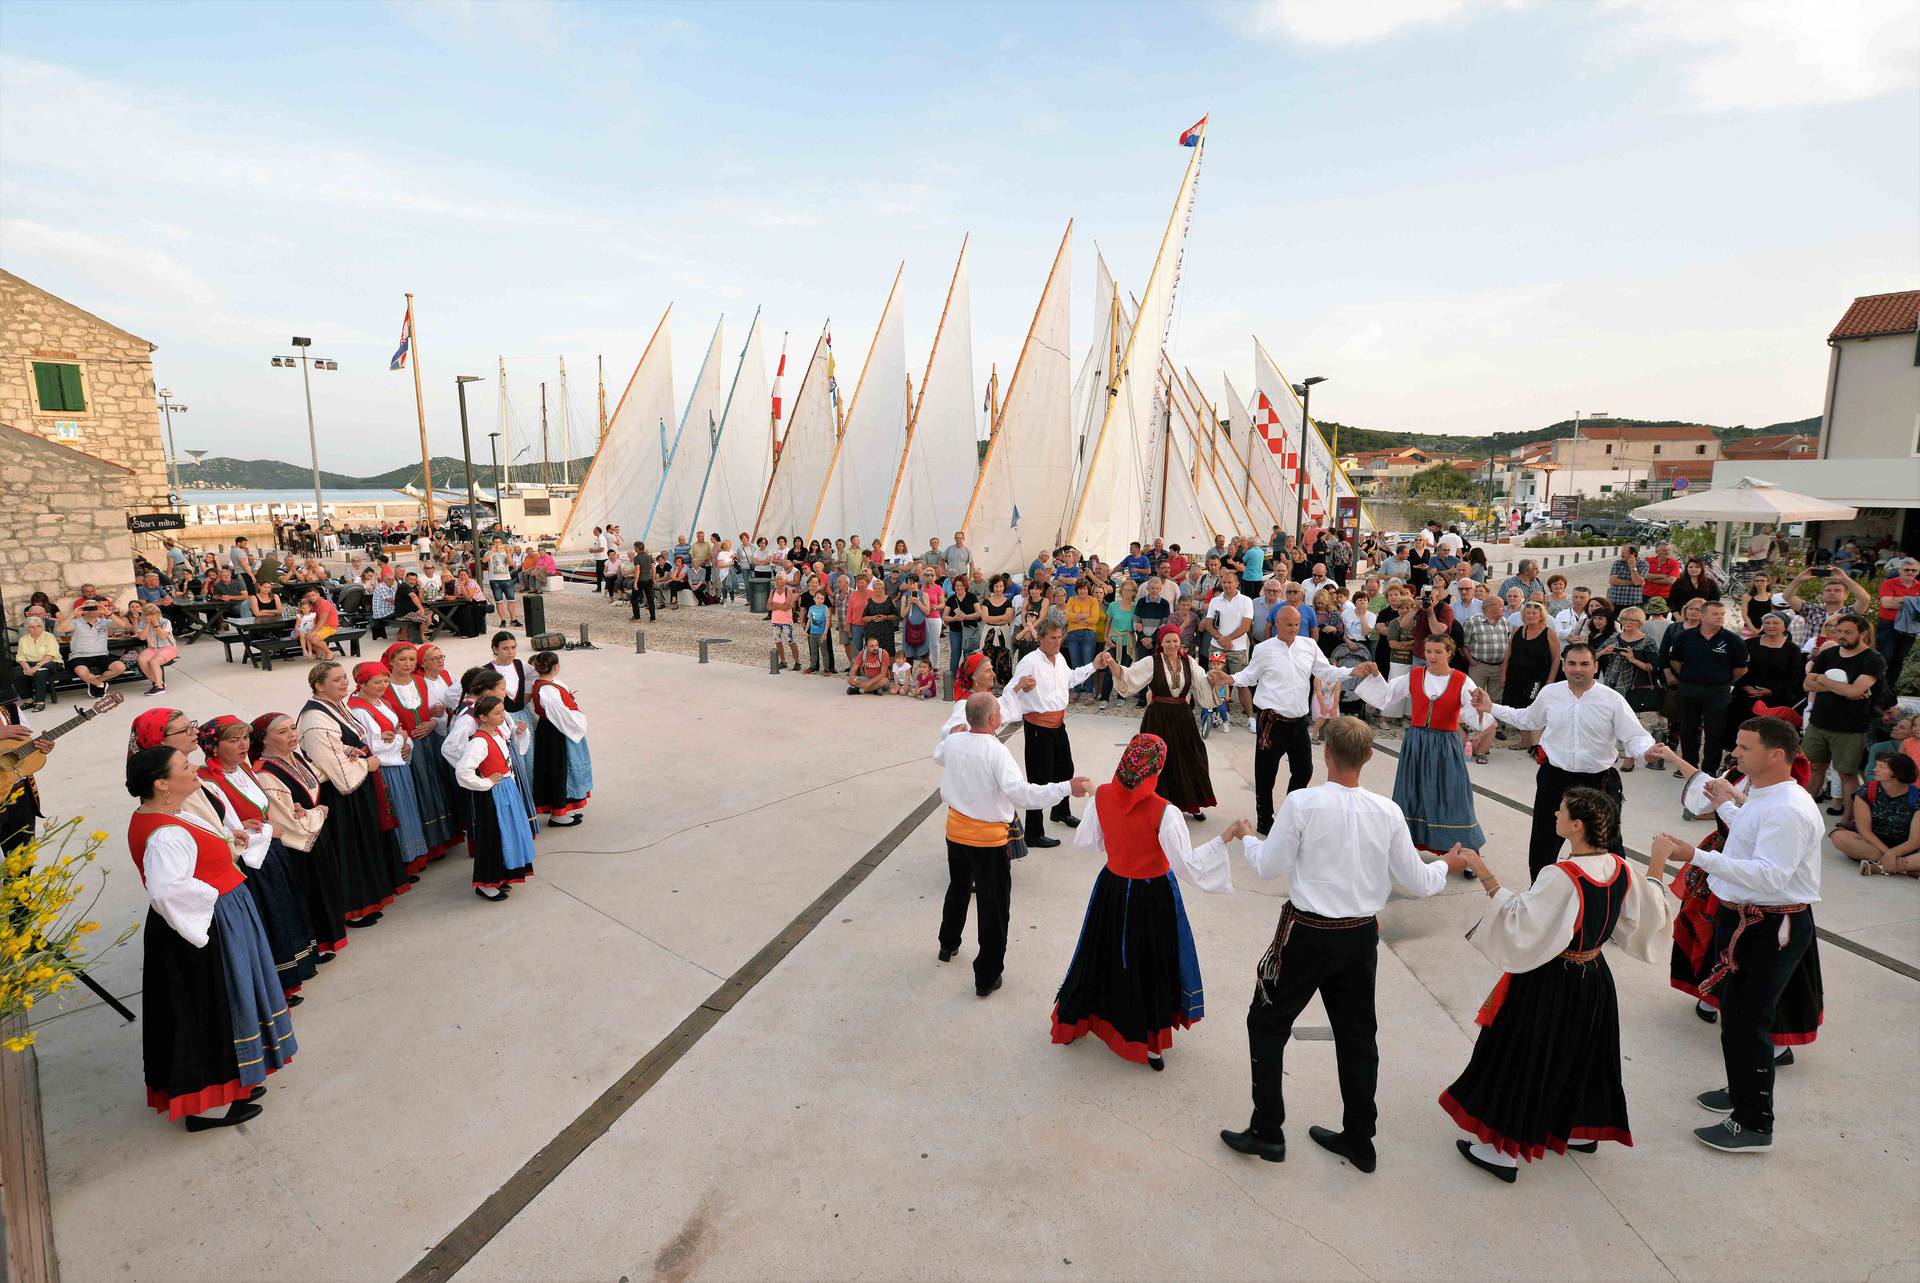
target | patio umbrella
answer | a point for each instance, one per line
(1751, 499)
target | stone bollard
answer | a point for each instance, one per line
(639, 641)
(773, 660)
(946, 685)
(586, 639)
(706, 642)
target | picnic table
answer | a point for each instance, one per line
(203, 616)
(251, 634)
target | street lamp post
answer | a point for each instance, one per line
(460, 382)
(1304, 390)
(306, 382)
(169, 409)
(493, 449)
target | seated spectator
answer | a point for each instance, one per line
(1885, 837)
(872, 670)
(157, 650)
(37, 655)
(89, 656)
(229, 591)
(319, 620)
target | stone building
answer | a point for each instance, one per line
(71, 378)
(63, 515)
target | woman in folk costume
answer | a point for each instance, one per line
(216, 1020)
(274, 880)
(1173, 683)
(443, 696)
(517, 690)
(1135, 977)
(349, 788)
(1802, 1008)
(1430, 785)
(501, 838)
(409, 700)
(563, 765)
(381, 728)
(1545, 1071)
(299, 820)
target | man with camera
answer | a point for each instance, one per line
(1838, 592)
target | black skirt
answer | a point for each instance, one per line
(1546, 1067)
(186, 1033)
(278, 895)
(1135, 976)
(550, 768)
(1185, 780)
(323, 882)
(369, 859)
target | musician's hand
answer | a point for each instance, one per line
(44, 744)
(10, 734)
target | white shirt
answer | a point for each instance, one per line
(1229, 613)
(569, 722)
(1343, 850)
(1282, 676)
(1053, 679)
(1205, 866)
(1772, 852)
(1582, 733)
(1359, 623)
(1313, 587)
(511, 671)
(599, 545)
(1528, 929)
(182, 900)
(1568, 620)
(980, 780)
(1392, 698)
(958, 716)
(389, 747)
(1451, 543)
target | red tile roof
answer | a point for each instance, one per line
(1873, 314)
(1776, 445)
(1692, 469)
(1635, 432)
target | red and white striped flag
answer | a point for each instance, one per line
(780, 379)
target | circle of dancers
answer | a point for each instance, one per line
(1544, 1073)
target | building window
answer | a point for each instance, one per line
(1656, 449)
(57, 388)
(1609, 450)
(1699, 449)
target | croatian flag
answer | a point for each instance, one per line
(780, 379)
(1191, 138)
(399, 361)
(833, 383)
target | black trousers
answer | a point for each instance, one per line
(1049, 760)
(1748, 998)
(1550, 784)
(1285, 736)
(1701, 712)
(1339, 966)
(599, 573)
(642, 592)
(983, 873)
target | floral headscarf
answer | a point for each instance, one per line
(1142, 761)
(149, 729)
(212, 731)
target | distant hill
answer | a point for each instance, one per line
(218, 472)
(1353, 440)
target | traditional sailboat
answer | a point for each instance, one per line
(800, 467)
(941, 459)
(686, 466)
(1263, 470)
(1279, 416)
(866, 457)
(742, 452)
(624, 477)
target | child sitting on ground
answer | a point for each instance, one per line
(902, 677)
(925, 685)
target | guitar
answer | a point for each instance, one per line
(23, 760)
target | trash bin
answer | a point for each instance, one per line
(533, 608)
(759, 588)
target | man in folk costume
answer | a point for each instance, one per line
(1174, 683)
(1344, 850)
(1135, 975)
(1281, 671)
(1585, 728)
(1767, 880)
(1039, 690)
(983, 789)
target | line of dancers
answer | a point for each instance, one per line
(325, 818)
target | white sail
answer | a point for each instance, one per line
(805, 451)
(1278, 414)
(866, 460)
(672, 514)
(1020, 499)
(743, 455)
(1212, 456)
(1230, 460)
(1091, 385)
(1277, 420)
(624, 476)
(1181, 517)
(1121, 483)
(1189, 433)
(1258, 459)
(943, 453)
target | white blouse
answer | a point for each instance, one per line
(257, 840)
(183, 901)
(569, 722)
(1205, 866)
(389, 747)
(1392, 698)
(511, 672)
(1519, 932)
(466, 769)
(1138, 676)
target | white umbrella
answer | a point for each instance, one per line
(1761, 502)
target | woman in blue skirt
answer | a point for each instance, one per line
(1431, 785)
(501, 838)
(409, 700)
(391, 746)
(563, 765)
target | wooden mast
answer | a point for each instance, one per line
(420, 408)
(913, 419)
(600, 379)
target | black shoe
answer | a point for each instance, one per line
(1156, 1063)
(1706, 1013)
(1717, 1101)
(1583, 1147)
(1785, 1057)
(499, 894)
(1198, 817)
(257, 1092)
(946, 955)
(1507, 1174)
(412, 878)
(1274, 1151)
(238, 1112)
(293, 1000)
(322, 959)
(367, 921)
(1043, 840)
(1358, 1152)
(1071, 821)
(1730, 1137)
(990, 988)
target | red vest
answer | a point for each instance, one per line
(382, 716)
(408, 718)
(566, 696)
(1132, 836)
(214, 863)
(241, 804)
(495, 764)
(1443, 713)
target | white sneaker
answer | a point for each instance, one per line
(1253, 726)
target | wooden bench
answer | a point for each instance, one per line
(262, 653)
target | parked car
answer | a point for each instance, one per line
(1622, 528)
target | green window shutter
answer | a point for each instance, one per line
(46, 386)
(76, 400)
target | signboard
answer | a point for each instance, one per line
(1347, 515)
(66, 430)
(1565, 507)
(144, 522)
(1680, 485)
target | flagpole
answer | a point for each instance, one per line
(420, 407)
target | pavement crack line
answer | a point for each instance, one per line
(1624, 1220)
(633, 929)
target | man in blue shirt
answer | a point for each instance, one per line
(1136, 563)
(1297, 598)
(1254, 563)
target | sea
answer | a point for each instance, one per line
(346, 495)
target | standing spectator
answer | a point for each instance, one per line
(1558, 599)
(958, 558)
(599, 548)
(1840, 591)
(780, 607)
(500, 582)
(1533, 663)
(1707, 662)
(1695, 585)
(642, 591)
(884, 611)
(1841, 680)
(1776, 670)
(1627, 581)
(1082, 612)
(38, 655)
(1895, 589)
(1630, 663)
(1488, 639)
(1526, 578)
(89, 656)
(817, 608)
(963, 615)
(1662, 569)
(1229, 619)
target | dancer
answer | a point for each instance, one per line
(502, 834)
(517, 690)
(982, 789)
(1135, 975)
(299, 818)
(1767, 880)
(975, 675)
(215, 1019)
(1344, 850)
(412, 701)
(443, 696)
(1281, 671)
(1545, 1070)
(1430, 784)
(330, 738)
(1040, 689)
(563, 765)
(277, 886)
(1802, 1007)
(1173, 683)
(380, 727)
(1585, 728)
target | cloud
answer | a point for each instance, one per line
(1784, 53)
(110, 261)
(1342, 22)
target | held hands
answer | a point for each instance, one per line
(1238, 829)
(1667, 847)
(1482, 702)
(1026, 683)
(1457, 858)
(1368, 669)
(1082, 786)
(1719, 792)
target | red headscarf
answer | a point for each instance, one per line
(372, 668)
(386, 656)
(257, 746)
(1788, 715)
(149, 729)
(1160, 635)
(963, 680)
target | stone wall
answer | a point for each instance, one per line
(121, 421)
(63, 522)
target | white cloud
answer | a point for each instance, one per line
(1342, 22)
(1785, 53)
(111, 262)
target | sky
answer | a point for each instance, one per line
(1467, 216)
